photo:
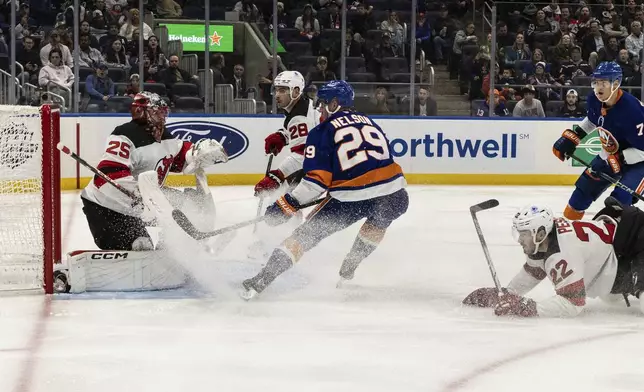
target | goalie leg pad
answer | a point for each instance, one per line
(122, 271)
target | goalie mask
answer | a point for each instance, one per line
(151, 109)
(531, 226)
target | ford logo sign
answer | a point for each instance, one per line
(233, 140)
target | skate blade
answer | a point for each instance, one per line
(249, 294)
(341, 283)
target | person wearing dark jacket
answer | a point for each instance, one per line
(29, 58)
(173, 74)
(424, 104)
(500, 109)
(423, 38)
(100, 89)
(571, 108)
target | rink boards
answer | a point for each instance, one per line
(463, 151)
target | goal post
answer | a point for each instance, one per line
(30, 229)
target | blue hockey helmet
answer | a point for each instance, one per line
(608, 70)
(338, 89)
(606, 80)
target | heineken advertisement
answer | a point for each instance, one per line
(588, 148)
(220, 37)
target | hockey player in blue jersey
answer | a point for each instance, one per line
(619, 119)
(348, 156)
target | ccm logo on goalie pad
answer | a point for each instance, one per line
(232, 139)
(108, 256)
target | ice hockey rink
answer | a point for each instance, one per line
(398, 326)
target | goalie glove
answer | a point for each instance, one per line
(204, 153)
(568, 142)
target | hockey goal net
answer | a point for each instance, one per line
(29, 197)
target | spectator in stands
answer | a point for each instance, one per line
(248, 11)
(635, 41)
(462, 38)
(362, 20)
(239, 84)
(499, 106)
(443, 32)
(394, 28)
(134, 86)
(321, 73)
(354, 48)
(629, 68)
(592, 43)
(563, 51)
(379, 102)
(332, 19)
(553, 9)
(169, 9)
(112, 33)
(383, 50)
(425, 105)
(88, 56)
(22, 28)
(540, 24)
(544, 81)
(98, 22)
(29, 58)
(84, 28)
(54, 43)
(609, 52)
(266, 82)
(283, 18)
(132, 22)
(116, 15)
(571, 107)
(173, 74)
(312, 90)
(100, 88)
(575, 67)
(155, 53)
(583, 23)
(423, 38)
(529, 106)
(309, 28)
(503, 38)
(55, 74)
(115, 56)
(151, 73)
(217, 64)
(518, 51)
(628, 16)
(530, 68)
(615, 28)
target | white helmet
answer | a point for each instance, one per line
(532, 218)
(290, 79)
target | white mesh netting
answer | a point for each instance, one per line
(21, 201)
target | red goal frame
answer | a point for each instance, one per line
(50, 126)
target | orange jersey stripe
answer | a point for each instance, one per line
(640, 188)
(322, 176)
(374, 176)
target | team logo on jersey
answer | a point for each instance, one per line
(162, 167)
(17, 146)
(609, 143)
(233, 140)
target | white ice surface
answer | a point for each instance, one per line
(398, 326)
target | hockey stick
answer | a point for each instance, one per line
(608, 178)
(183, 221)
(260, 204)
(65, 150)
(486, 205)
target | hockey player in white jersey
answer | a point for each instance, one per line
(597, 259)
(301, 118)
(116, 221)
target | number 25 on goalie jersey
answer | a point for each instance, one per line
(348, 155)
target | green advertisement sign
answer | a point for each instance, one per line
(194, 38)
(588, 148)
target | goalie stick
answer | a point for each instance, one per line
(187, 226)
(608, 178)
(486, 205)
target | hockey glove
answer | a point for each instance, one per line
(486, 297)
(612, 165)
(275, 142)
(271, 182)
(567, 143)
(512, 304)
(282, 210)
(204, 153)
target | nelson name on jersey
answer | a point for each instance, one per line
(351, 119)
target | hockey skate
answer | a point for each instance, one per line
(251, 288)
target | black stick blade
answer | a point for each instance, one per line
(485, 205)
(187, 226)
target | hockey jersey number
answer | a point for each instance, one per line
(119, 148)
(353, 152)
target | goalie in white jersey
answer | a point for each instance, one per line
(116, 221)
(301, 118)
(596, 259)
